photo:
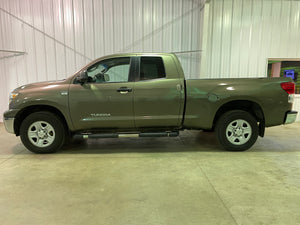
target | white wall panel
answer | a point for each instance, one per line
(48, 17)
(50, 58)
(118, 28)
(61, 36)
(241, 35)
(40, 56)
(170, 17)
(78, 26)
(108, 27)
(88, 18)
(60, 63)
(157, 23)
(37, 12)
(58, 22)
(128, 25)
(70, 62)
(147, 26)
(25, 11)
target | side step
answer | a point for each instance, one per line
(127, 135)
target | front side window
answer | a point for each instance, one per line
(152, 68)
(109, 71)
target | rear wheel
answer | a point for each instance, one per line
(237, 130)
(42, 132)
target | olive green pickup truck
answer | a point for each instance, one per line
(146, 95)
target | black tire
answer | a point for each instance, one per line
(207, 131)
(68, 139)
(236, 130)
(52, 132)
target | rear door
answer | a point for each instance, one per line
(158, 93)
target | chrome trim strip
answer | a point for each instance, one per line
(128, 135)
(9, 125)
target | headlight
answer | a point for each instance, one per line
(12, 96)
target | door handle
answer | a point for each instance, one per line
(124, 90)
(179, 87)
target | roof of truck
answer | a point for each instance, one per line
(130, 55)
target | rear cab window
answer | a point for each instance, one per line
(151, 68)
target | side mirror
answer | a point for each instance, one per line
(106, 77)
(82, 77)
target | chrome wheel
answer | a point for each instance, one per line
(238, 132)
(41, 134)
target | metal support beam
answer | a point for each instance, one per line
(11, 53)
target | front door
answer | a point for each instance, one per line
(106, 100)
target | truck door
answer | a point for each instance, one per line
(158, 93)
(106, 99)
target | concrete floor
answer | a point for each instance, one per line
(183, 180)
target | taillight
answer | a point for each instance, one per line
(289, 87)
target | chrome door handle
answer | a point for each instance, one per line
(124, 90)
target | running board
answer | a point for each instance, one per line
(128, 135)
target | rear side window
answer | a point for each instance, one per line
(152, 68)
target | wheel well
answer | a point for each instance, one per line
(36, 108)
(249, 106)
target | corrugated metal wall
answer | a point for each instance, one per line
(60, 36)
(296, 106)
(239, 36)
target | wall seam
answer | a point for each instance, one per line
(24, 44)
(34, 44)
(55, 52)
(64, 36)
(93, 8)
(44, 37)
(74, 37)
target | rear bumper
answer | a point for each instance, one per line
(290, 117)
(9, 124)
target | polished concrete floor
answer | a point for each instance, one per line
(152, 181)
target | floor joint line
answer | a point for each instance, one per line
(210, 183)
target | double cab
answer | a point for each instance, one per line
(146, 95)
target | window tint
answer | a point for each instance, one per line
(110, 70)
(152, 68)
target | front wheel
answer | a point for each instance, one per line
(237, 130)
(42, 132)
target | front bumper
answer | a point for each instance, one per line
(9, 124)
(290, 117)
(9, 120)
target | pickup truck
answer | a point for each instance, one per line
(146, 95)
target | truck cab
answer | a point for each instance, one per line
(128, 92)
